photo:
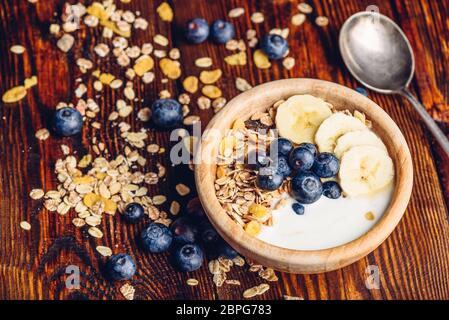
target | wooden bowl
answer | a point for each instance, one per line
(303, 261)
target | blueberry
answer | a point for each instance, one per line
(362, 91)
(134, 212)
(306, 187)
(67, 122)
(257, 159)
(282, 166)
(188, 257)
(121, 267)
(195, 210)
(301, 158)
(208, 234)
(269, 179)
(156, 238)
(326, 165)
(298, 208)
(274, 46)
(332, 189)
(222, 31)
(197, 30)
(311, 147)
(284, 146)
(183, 231)
(166, 113)
(225, 250)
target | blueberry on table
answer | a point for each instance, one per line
(222, 31)
(183, 231)
(298, 208)
(133, 212)
(188, 257)
(282, 145)
(326, 165)
(269, 179)
(332, 189)
(166, 113)
(208, 235)
(67, 121)
(282, 166)
(156, 238)
(311, 147)
(121, 267)
(301, 158)
(225, 250)
(197, 30)
(275, 46)
(306, 187)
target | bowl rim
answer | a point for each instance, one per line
(304, 261)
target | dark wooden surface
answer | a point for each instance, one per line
(413, 262)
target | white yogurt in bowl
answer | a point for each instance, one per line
(326, 223)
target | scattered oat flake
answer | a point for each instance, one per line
(305, 7)
(104, 251)
(127, 291)
(236, 12)
(42, 134)
(192, 282)
(174, 208)
(14, 94)
(95, 232)
(159, 199)
(17, 49)
(298, 19)
(286, 297)
(25, 225)
(257, 17)
(165, 12)
(288, 63)
(322, 21)
(204, 62)
(242, 85)
(182, 189)
(160, 40)
(30, 82)
(36, 194)
(210, 77)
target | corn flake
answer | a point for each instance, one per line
(171, 68)
(261, 59)
(238, 59)
(211, 91)
(165, 12)
(14, 95)
(210, 77)
(190, 84)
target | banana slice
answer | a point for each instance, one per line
(298, 118)
(333, 128)
(357, 138)
(365, 170)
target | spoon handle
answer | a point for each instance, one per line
(428, 120)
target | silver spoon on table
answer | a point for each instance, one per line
(378, 54)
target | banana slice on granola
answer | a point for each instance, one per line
(298, 118)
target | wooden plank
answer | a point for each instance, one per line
(413, 262)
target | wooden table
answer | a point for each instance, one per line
(414, 261)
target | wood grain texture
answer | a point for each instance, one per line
(413, 262)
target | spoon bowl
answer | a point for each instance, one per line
(378, 54)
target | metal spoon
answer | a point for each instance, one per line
(378, 54)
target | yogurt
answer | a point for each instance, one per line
(326, 223)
